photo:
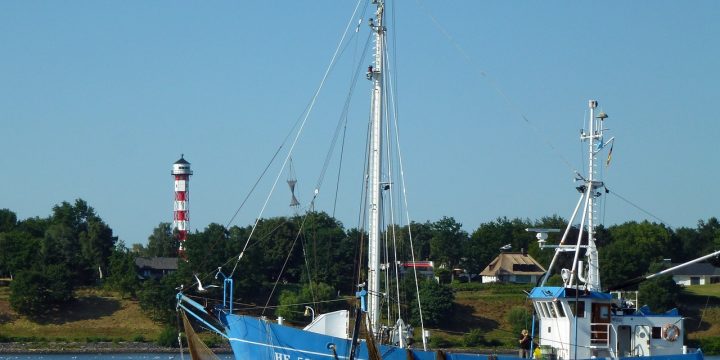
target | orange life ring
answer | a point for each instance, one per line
(670, 332)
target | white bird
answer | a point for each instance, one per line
(200, 285)
(506, 247)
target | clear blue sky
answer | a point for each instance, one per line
(99, 98)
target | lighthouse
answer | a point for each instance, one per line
(181, 173)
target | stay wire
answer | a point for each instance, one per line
(639, 208)
(495, 86)
(299, 132)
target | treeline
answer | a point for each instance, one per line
(49, 257)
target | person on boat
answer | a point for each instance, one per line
(524, 343)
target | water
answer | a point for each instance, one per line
(136, 356)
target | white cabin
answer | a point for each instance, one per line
(595, 324)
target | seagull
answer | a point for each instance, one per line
(200, 285)
(506, 247)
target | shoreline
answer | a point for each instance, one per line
(122, 347)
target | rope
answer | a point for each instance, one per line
(495, 86)
(639, 208)
(297, 136)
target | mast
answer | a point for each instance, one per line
(595, 140)
(375, 74)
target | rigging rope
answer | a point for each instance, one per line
(638, 207)
(299, 132)
(494, 85)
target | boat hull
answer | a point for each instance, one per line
(257, 338)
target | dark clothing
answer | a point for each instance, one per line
(524, 342)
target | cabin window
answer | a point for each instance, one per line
(538, 310)
(656, 332)
(544, 309)
(559, 308)
(577, 307)
(551, 309)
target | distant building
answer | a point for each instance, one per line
(696, 274)
(155, 267)
(424, 268)
(511, 267)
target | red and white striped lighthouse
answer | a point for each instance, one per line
(181, 172)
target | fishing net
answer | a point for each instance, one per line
(197, 348)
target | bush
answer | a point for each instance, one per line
(519, 318)
(474, 338)
(440, 342)
(138, 338)
(168, 337)
(708, 345)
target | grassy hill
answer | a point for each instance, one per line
(95, 315)
(99, 315)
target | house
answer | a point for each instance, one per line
(155, 267)
(696, 274)
(512, 267)
(424, 268)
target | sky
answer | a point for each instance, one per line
(99, 98)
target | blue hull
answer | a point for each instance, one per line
(253, 338)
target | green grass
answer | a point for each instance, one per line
(95, 315)
(704, 290)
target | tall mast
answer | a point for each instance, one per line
(376, 111)
(595, 140)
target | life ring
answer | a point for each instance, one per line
(670, 332)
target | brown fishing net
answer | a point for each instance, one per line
(197, 348)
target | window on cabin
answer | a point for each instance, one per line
(559, 308)
(538, 310)
(551, 309)
(656, 332)
(577, 307)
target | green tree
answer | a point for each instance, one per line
(162, 242)
(122, 275)
(292, 303)
(448, 242)
(437, 303)
(633, 248)
(157, 297)
(328, 250)
(40, 291)
(8, 220)
(660, 294)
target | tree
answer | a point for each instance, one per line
(8, 220)
(162, 242)
(39, 291)
(292, 303)
(660, 294)
(122, 275)
(448, 242)
(633, 248)
(328, 250)
(437, 303)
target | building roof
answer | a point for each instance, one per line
(511, 263)
(157, 263)
(702, 268)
